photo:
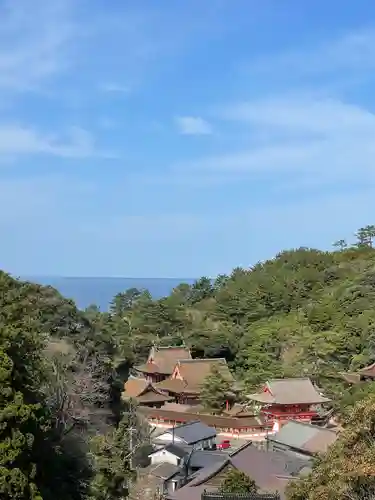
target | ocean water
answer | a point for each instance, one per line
(100, 291)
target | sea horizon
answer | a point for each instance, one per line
(99, 291)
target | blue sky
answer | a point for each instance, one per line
(167, 138)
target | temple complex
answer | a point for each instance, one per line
(289, 399)
(187, 378)
(144, 393)
(161, 362)
(364, 374)
(171, 375)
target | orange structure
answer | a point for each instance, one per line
(188, 376)
(289, 399)
(161, 362)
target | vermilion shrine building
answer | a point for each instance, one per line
(289, 399)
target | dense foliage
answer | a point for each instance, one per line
(304, 313)
(347, 471)
(58, 387)
(37, 445)
(236, 481)
(215, 392)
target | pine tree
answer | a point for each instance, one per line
(215, 391)
(20, 431)
(114, 457)
(236, 481)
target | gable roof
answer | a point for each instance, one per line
(133, 387)
(289, 391)
(198, 459)
(163, 470)
(356, 377)
(239, 410)
(193, 432)
(179, 450)
(163, 359)
(305, 437)
(270, 470)
(351, 377)
(175, 386)
(368, 370)
(194, 371)
(143, 391)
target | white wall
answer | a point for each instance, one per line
(205, 444)
(164, 456)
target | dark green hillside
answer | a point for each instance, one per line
(55, 379)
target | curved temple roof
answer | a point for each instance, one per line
(289, 391)
(162, 360)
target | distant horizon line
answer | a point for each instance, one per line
(51, 276)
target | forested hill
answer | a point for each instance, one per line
(306, 312)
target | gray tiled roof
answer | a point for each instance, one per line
(164, 470)
(202, 458)
(178, 449)
(298, 390)
(193, 432)
(304, 436)
(290, 391)
(270, 470)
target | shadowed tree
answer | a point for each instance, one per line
(215, 391)
(236, 481)
(347, 470)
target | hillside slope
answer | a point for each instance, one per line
(304, 313)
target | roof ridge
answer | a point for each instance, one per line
(242, 447)
(215, 470)
(289, 379)
(188, 360)
(177, 445)
(184, 425)
(307, 424)
(173, 347)
(371, 365)
(284, 476)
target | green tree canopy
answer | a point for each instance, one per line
(236, 481)
(215, 391)
(347, 470)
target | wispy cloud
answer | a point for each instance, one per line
(305, 138)
(16, 141)
(303, 132)
(193, 125)
(115, 88)
(354, 51)
(33, 40)
(304, 115)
